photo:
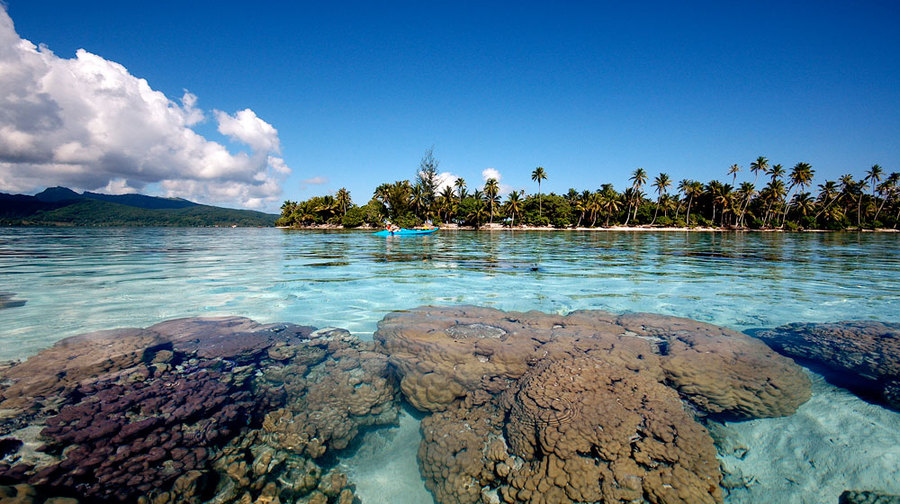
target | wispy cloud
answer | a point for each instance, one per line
(87, 123)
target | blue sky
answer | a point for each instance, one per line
(358, 91)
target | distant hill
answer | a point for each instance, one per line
(60, 206)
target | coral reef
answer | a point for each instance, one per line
(571, 430)
(865, 354)
(586, 407)
(443, 353)
(193, 410)
(720, 370)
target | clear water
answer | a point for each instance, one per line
(78, 280)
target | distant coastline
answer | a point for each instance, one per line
(625, 229)
(63, 207)
(784, 203)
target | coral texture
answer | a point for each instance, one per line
(442, 353)
(586, 407)
(869, 352)
(183, 411)
(571, 430)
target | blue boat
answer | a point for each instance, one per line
(405, 232)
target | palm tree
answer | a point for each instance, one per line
(873, 176)
(661, 183)
(714, 189)
(721, 196)
(828, 194)
(446, 202)
(513, 206)
(580, 203)
(693, 189)
(460, 184)
(343, 201)
(399, 198)
(776, 172)
(609, 202)
(776, 187)
(745, 194)
(491, 191)
(419, 199)
(801, 175)
(477, 214)
(594, 205)
(760, 165)
(682, 188)
(382, 193)
(773, 193)
(804, 203)
(638, 177)
(887, 190)
(733, 171)
(668, 202)
(851, 192)
(538, 175)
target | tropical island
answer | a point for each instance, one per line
(774, 198)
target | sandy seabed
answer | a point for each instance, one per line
(835, 442)
(384, 468)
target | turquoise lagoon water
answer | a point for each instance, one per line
(79, 280)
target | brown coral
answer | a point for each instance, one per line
(538, 408)
(720, 370)
(443, 353)
(332, 398)
(578, 430)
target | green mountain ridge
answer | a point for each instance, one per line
(59, 206)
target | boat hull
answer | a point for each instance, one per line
(405, 232)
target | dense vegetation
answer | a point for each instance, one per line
(62, 207)
(784, 201)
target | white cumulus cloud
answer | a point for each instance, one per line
(445, 179)
(493, 173)
(88, 124)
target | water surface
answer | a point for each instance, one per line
(76, 279)
(57, 282)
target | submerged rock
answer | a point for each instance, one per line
(865, 497)
(865, 355)
(178, 412)
(7, 300)
(587, 407)
(443, 353)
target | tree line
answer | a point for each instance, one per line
(784, 200)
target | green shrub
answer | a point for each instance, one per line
(353, 218)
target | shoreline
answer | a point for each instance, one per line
(627, 229)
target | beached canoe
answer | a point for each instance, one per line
(405, 232)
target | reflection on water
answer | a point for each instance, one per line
(86, 279)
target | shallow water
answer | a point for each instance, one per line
(60, 282)
(77, 280)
